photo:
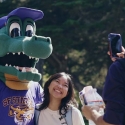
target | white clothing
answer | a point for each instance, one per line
(50, 117)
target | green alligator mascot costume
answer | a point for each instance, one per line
(20, 50)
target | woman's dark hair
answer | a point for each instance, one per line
(66, 100)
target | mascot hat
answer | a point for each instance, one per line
(23, 13)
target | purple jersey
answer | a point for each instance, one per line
(17, 106)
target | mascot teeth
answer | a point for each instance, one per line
(24, 69)
(17, 67)
(6, 65)
(35, 70)
(30, 57)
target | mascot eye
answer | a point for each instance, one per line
(15, 30)
(29, 31)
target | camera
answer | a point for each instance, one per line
(115, 44)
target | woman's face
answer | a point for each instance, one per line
(58, 88)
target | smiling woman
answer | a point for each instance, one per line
(58, 100)
(58, 88)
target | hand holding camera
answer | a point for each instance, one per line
(116, 50)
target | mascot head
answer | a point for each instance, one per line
(20, 47)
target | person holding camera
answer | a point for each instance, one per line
(113, 96)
